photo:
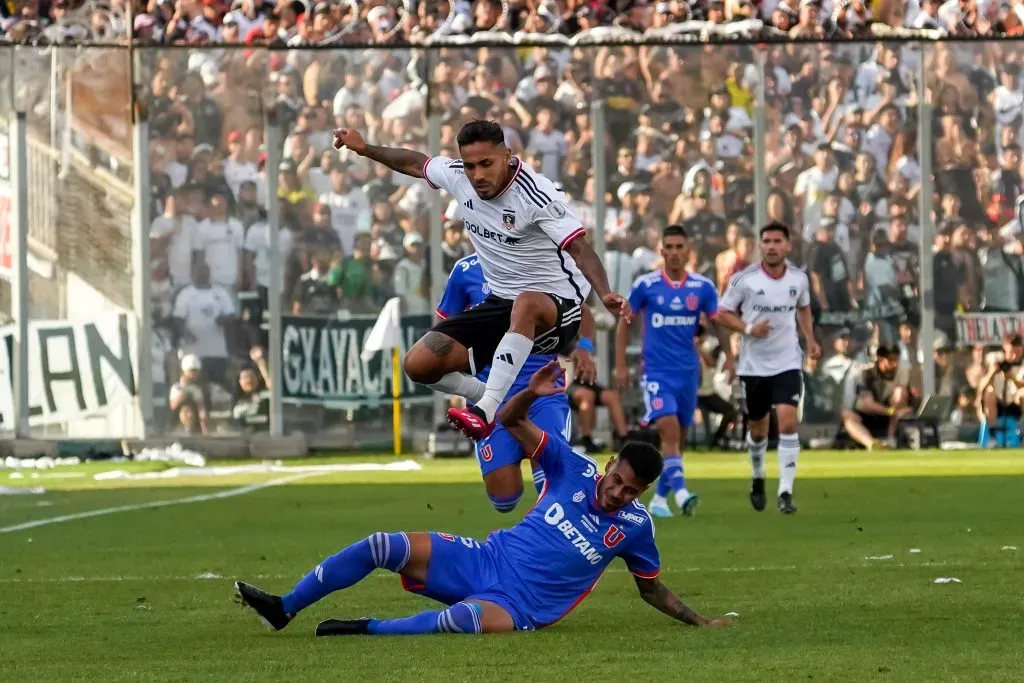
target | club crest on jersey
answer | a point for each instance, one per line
(792, 292)
(658, 403)
(578, 497)
(676, 304)
(486, 289)
(613, 536)
(508, 219)
(486, 453)
(692, 301)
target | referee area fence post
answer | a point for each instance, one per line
(273, 136)
(926, 292)
(141, 269)
(396, 398)
(438, 278)
(760, 129)
(599, 162)
(20, 304)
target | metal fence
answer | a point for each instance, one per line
(257, 253)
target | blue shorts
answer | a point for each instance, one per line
(464, 569)
(551, 414)
(674, 394)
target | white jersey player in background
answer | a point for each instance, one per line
(527, 243)
(767, 303)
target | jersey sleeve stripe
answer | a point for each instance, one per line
(645, 575)
(571, 237)
(540, 447)
(528, 176)
(440, 315)
(530, 194)
(427, 177)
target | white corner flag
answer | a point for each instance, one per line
(387, 331)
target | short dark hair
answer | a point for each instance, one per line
(481, 131)
(674, 230)
(775, 227)
(644, 459)
(887, 352)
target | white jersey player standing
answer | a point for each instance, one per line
(527, 242)
(769, 302)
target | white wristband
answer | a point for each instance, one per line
(749, 328)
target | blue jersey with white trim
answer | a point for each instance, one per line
(555, 556)
(671, 318)
(467, 288)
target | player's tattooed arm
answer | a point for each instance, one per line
(659, 596)
(406, 161)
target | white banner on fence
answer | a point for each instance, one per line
(987, 328)
(76, 370)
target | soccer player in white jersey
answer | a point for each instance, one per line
(767, 302)
(527, 242)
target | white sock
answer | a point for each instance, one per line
(757, 450)
(460, 384)
(789, 450)
(658, 500)
(681, 496)
(508, 360)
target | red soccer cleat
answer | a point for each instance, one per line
(470, 421)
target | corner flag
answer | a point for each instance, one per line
(387, 335)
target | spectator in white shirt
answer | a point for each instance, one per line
(202, 312)
(237, 167)
(816, 183)
(409, 278)
(173, 237)
(549, 143)
(220, 238)
(350, 209)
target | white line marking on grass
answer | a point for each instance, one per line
(230, 493)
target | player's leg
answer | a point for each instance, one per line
(499, 457)
(686, 408)
(787, 390)
(440, 362)
(858, 431)
(612, 400)
(408, 554)
(757, 396)
(584, 399)
(466, 617)
(661, 407)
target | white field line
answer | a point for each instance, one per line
(206, 576)
(230, 493)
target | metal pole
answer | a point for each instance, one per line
(54, 93)
(760, 173)
(273, 136)
(599, 162)
(438, 279)
(19, 182)
(141, 265)
(926, 334)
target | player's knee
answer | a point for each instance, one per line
(505, 503)
(389, 551)
(462, 617)
(419, 368)
(533, 308)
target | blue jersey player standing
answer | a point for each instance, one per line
(499, 454)
(520, 579)
(672, 302)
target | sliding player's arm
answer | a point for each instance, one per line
(405, 161)
(514, 415)
(660, 597)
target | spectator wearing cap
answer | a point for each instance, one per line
(832, 287)
(189, 397)
(220, 238)
(239, 166)
(839, 364)
(453, 245)
(410, 278)
(626, 171)
(349, 206)
(706, 228)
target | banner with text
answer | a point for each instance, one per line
(75, 369)
(987, 328)
(322, 363)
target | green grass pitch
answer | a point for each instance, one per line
(146, 594)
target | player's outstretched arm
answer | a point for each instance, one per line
(514, 415)
(590, 265)
(659, 596)
(406, 161)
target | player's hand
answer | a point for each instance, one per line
(720, 622)
(729, 367)
(761, 329)
(618, 306)
(584, 367)
(813, 350)
(347, 137)
(545, 381)
(621, 378)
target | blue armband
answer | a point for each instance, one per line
(585, 344)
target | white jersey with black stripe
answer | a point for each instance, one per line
(521, 235)
(755, 295)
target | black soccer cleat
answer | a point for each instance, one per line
(268, 607)
(757, 497)
(343, 627)
(786, 505)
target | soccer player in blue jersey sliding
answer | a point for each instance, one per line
(499, 454)
(672, 302)
(522, 578)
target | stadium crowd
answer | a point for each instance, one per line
(841, 160)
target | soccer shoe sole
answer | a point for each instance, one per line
(243, 591)
(690, 505)
(343, 627)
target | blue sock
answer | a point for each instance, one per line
(348, 567)
(539, 478)
(672, 472)
(462, 617)
(505, 503)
